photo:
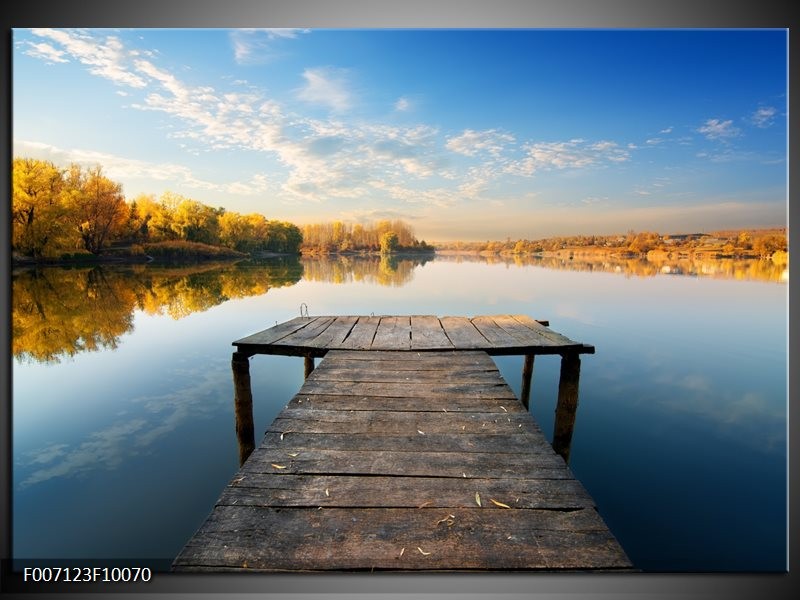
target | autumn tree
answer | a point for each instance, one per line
(194, 221)
(97, 207)
(389, 242)
(38, 213)
(766, 245)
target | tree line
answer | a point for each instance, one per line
(385, 236)
(743, 244)
(58, 211)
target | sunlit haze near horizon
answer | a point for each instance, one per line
(465, 134)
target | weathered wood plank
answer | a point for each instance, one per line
(522, 334)
(424, 468)
(377, 426)
(401, 538)
(439, 420)
(267, 489)
(463, 334)
(335, 334)
(297, 442)
(366, 375)
(361, 335)
(506, 334)
(415, 360)
(394, 333)
(410, 389)
(496, 335)
(273, 334)
(405, 403)
(304, 336)
(554, 337)
(408, 464)
(427, 333)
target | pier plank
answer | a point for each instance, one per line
(335, 334)
(427, 333)
(394, 333)
(404, 461)
(362, 334)
(463, 334)
(308, 333)
(273, 334)
(268, 489)
(401, 538)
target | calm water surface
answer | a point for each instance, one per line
(122, 393)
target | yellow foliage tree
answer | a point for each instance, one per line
(38, 211)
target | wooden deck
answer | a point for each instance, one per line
(495, 334)
(402, 460)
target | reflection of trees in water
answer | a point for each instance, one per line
(61, 312)
(722, 268)
(381, 270)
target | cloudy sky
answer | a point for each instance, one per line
(466, 134)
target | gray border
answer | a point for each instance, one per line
(405, 14)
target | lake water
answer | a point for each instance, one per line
(123, 429)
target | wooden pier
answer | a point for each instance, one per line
(401, 453)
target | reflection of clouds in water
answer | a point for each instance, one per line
(731, 412)
(751, 404)
(109, 447)
(45, 455)
(697, 383)
(575, 313)
(104, 448)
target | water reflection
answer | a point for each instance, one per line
(202, 395)
(722, 268)
(384, 270)
(60, 312)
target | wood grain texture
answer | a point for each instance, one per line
(432, 466)
(497, 334)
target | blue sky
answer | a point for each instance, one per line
(466, 134)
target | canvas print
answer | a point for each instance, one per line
(407, 300)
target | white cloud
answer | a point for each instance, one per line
(667, 130)
(590, 200)
(106, 59)
(121, 168)
(403, 104)
(764, 116)
(254, 46)
(326, 87)
(573, 154)
(714, 129)
(471, 143)
(46, 52)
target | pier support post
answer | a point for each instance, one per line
(243, 405)
(309, 365)
(527, 375)
(567, 404)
